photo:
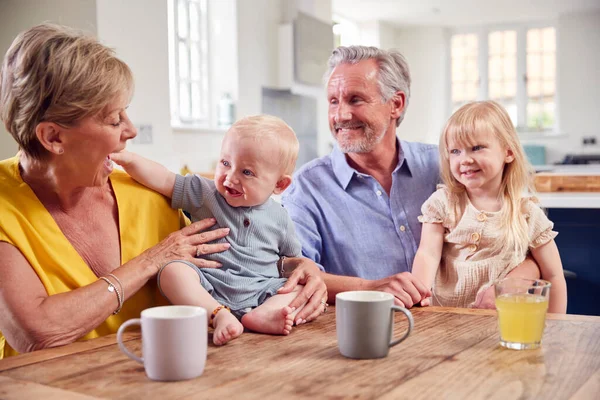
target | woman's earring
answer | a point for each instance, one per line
(60, 151)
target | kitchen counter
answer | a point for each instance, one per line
(569, 199)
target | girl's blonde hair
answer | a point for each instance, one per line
(52, 73)
(272, 129)
(517, 177)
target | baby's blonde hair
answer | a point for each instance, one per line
(52, 73)
(517, 177)
(272, 129)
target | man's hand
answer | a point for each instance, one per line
(314, 292)
(486, 299)
(406, 288)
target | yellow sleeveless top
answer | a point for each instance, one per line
(145, 218)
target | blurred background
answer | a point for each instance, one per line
(201, 64)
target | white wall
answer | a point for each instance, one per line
(426, 52)
(19, 15)
(143, 44)
(578, 83)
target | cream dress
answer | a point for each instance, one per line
(469, 263)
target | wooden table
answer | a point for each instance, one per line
(452, 353)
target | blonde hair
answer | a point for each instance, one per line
(517, 177)
(52, 73)
(272, 129)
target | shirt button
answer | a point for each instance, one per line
(378, 192)
(481, 217)
(246, 222)
(402, 228)
(475, 237)
(472, 248)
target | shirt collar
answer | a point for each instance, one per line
(344, 172)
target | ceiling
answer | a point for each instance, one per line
(458, 12)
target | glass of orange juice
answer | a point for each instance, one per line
(521, 305)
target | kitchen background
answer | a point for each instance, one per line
(250, 46)
(199, 64)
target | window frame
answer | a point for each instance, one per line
(521, 29)
(175, 80)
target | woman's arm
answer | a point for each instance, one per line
(32, 320)
(146, 172)
(548, 258)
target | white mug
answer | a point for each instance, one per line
(364, 323)
(174, 340)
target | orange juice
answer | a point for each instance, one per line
(521, 318)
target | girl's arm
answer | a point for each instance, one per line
(548, 259)
(146, 172)
(429, 254)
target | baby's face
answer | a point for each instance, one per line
(248, 171)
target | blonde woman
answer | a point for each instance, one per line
(481, 223)
(81, 244)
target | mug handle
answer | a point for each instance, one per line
(411, 323)
(124, 349)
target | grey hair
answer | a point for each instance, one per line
(394, 74)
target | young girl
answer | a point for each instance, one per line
(481, 223)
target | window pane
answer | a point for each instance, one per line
(195, 58)
(549, 65)
(196, 106)
(182, 20)
(184, 101)
(549, 39)
(502, 63)
(194, 22)
(533, 40)
(184, 54)
(465, 69)
(541, 78)
(534, 66)
(548, 88)
(534, 87)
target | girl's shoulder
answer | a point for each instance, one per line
(531, 207)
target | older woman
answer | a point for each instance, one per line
(79, 242)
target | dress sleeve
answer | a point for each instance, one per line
(435, 208)
(540, 227)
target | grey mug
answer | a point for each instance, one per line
(365, 323)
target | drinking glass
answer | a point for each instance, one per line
(521, 305)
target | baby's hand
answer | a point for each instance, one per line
(122, 158)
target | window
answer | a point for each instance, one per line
(502, 70)
(189, 62)
(465, 71)
(541, 78)
(514, 67)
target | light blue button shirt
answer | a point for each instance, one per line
(348, 224)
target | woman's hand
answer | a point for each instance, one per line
(314, 292)
(188, 244)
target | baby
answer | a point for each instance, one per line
(258, 156)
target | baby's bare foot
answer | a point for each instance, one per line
(271, 321)
(227, 328)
